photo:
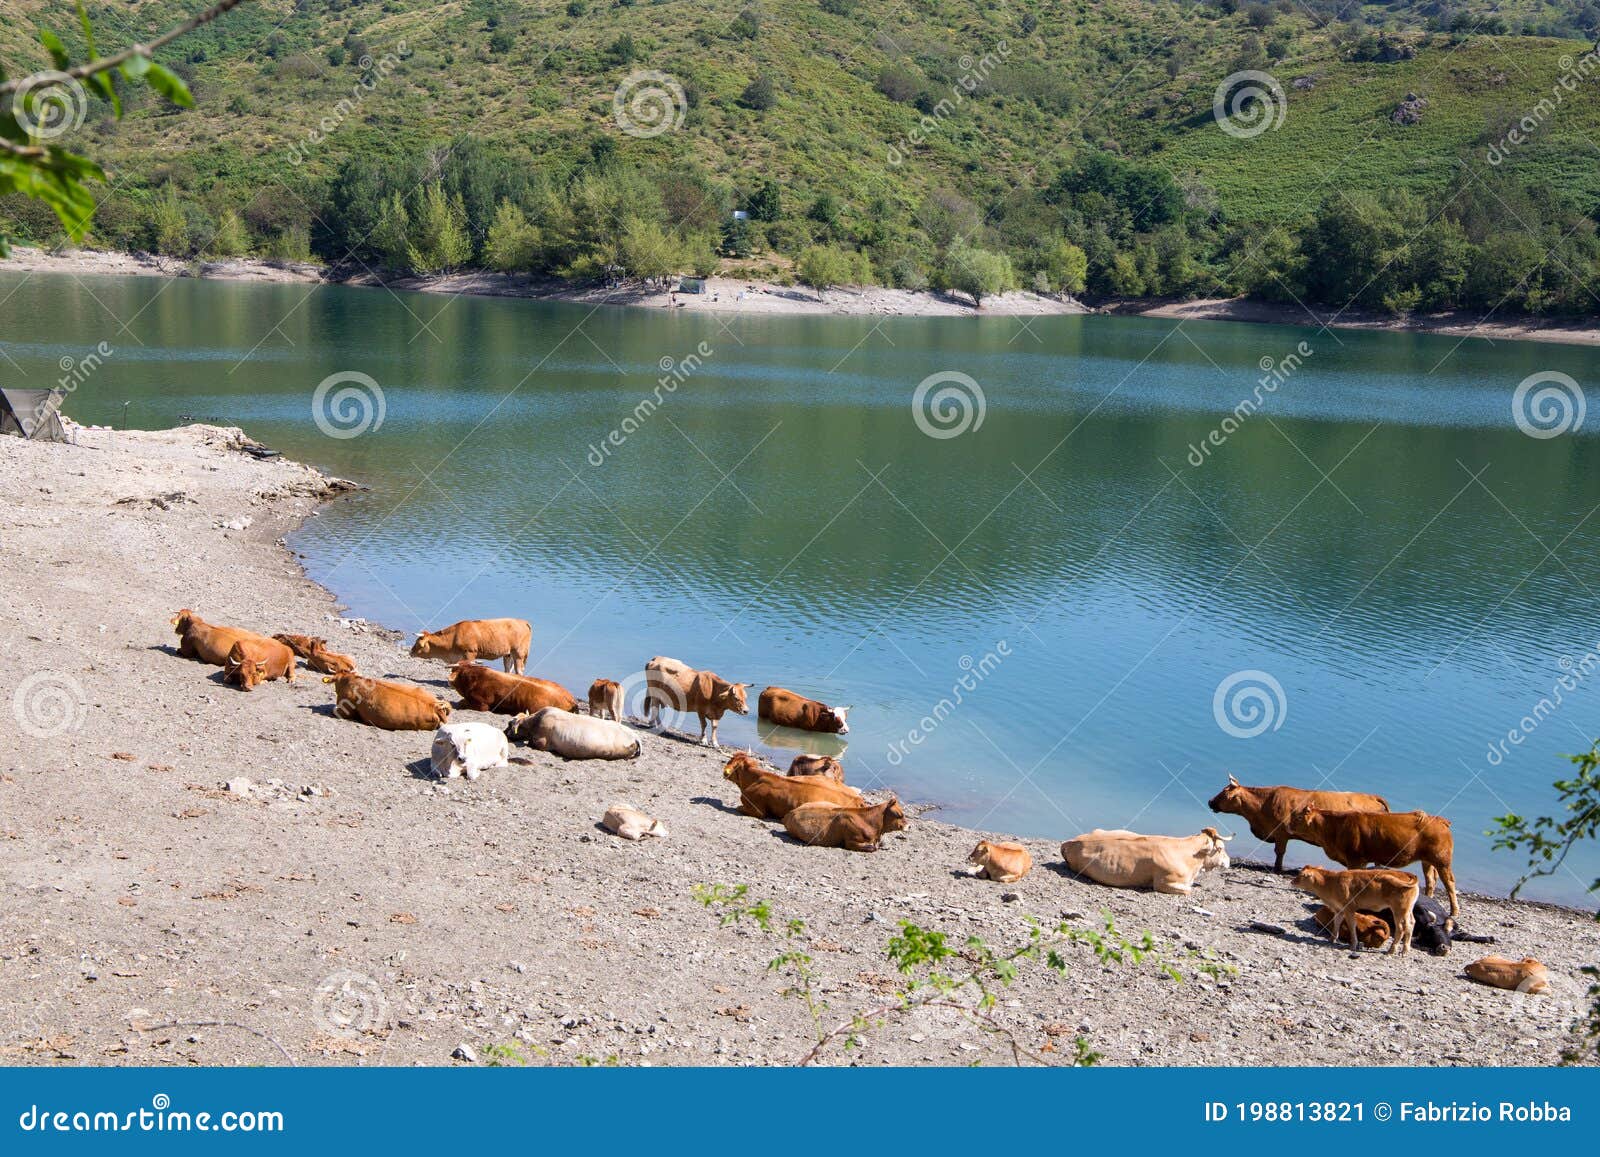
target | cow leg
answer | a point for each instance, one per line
(1430, 879)
(1173, 887)
(858, 846)
(1449, 876)
(507, 663)
(746, 809)
(1280, 847)
(703, 730)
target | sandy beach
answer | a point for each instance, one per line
(195, 875)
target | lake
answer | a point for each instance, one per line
(1064, 577)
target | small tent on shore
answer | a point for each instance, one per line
(32, 414)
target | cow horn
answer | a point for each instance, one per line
(1233, 780)
(1220, 836)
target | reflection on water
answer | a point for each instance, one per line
(1377, 535)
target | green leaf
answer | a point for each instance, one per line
(53, 45)
(88, 33)
(135, 67)
(169, 85)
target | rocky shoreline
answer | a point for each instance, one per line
(194, 875)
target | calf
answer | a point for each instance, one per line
(855, 829)
(386, 704)
(252, 661)
(1001, 862)
(485, 689)
(1346, 893)
(1373, 931)
(471, 639)
(787, 709)
(1267, 809)
(632, 824)
(1387, 840)
(198, 639)
(316, 654)
(1525, 975)
(769, 796)
(605, 699)
(823, 765)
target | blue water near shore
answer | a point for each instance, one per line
(1032, 618)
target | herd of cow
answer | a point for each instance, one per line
(817, 807)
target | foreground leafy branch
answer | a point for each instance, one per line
(939, 975)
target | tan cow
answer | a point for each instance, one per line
(1373, 931)
(605, 699)
(574, 736)
(385, 703)
(314, 651)
(1525, 975)
(1267, 809)
(855, 829)
(198, 639)
(1124, 859)
(769, 796)
(824, 765)
(631, 823)
(675, 685)
(471, 639)
(1387, 840)
(252, 661)
(485, 689)
(1002, 862)
(789, 709)
(1377, 889)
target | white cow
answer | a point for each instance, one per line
(1124, 859)
(468, 749)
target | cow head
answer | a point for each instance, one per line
(832, 719)
(182, 620)
(419, 649)
(734, 698)
(1231, 799)
(1214, 856)
(246, 672)
(980, 854)
(742, 763)
(1309, 879)
(337, 663)
(1301, 821)
(894, 817)
(459, 671)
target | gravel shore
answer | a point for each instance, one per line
(343, 907)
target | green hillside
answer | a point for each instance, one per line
(896, 141)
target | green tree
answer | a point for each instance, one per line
(438, 241)
(978, 273)
(824, 266)
(513, 244)
(648, 251)
(389, 241)
(1065, 266)
(169, 224)
(758, 94)
(231, 238)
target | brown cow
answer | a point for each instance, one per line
(314, 651)
(669, 683)
(787, 709)
(605, 699)
(1373, 931)
(1525, 975)
(1267, 809)
(855, 829)
(485, 689)
(769, 796)
(198, 639)
(471, 639)
(1386, 839)
(1002, 862)
(1348, 892)
(252, 661)
(823, 765)
(384, 703)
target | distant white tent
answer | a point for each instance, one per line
(32, 414)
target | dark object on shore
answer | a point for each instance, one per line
(32, 414)
(1270, 929)
(257, 450)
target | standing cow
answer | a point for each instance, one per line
(672, 684)
(472, 639)
(1267, 809)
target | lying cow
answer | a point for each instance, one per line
(1124, 859)
(823, 765)
(1267, 809)
(769, 796)
(675, 685)
(605, 699)
(315, 652)
(787, 709)
(485, 689)
(1387, 840)
(471, 639)
(570, 736)
(385, 703)
(468, 749)
(631, 823)
(198, 639)
(1525, 975)
(855, 829)
(1347, 893)
(1371, 930)
(1002, 862)
(1432, 930)
(253, 661)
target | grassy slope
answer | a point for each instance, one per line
(1090, 73)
